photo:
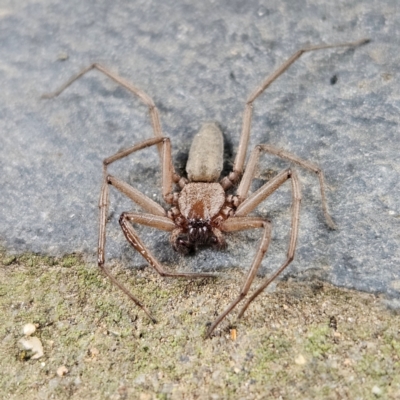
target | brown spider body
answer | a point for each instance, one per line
(201, 205)
(202, 212)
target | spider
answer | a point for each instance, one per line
(201, 210)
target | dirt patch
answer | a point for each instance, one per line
(304, 340)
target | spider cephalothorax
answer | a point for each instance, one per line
(201, 211)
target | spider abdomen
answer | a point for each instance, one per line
(206, 155)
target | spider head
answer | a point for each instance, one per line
(199, 232)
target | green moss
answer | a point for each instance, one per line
(107, 342)
(318, 341)
(271, 348)
(70, 260)
(9, 260)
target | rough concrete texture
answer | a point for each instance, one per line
(199, 61)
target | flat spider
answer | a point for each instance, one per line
(201, 211)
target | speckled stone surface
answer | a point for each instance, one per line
(199, 61)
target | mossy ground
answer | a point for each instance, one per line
(303, 341)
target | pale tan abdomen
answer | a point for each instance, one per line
(206, 154)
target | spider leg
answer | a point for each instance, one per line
(248, 176)
(135, 195)
(163, 223)
(238, 224)
(296, 199)
(158, 217)
(155, 221)
(248, 110)
(240, 221)
(144, 97)
(166, 166)
(262, 193)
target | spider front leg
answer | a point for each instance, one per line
(136, 196)
(157, 217)
(238, 224)
(163, 223)
(239, 163)
(257, 197)
(242, 222)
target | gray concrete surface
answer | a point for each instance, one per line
(199, 61)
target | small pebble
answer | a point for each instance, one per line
(94, 352)
(376, 390)
(61, 371)
(35, 345)
(29, 329)
(63, 56)
(300, 360)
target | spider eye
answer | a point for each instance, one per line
(214, 240)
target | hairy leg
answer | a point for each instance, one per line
(135, 195)
(251, 166)
(238, 165)
(296, 200)
(237, 224)
(144, 97)
(243, 222)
